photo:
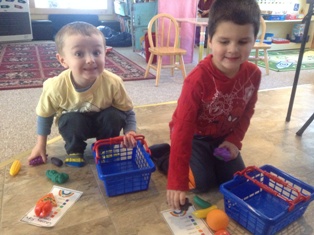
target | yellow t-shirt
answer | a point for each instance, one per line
(59, 95)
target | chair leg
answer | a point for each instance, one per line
(158, 68)
(182, 67)
(266, 62)
(150, 60)
(172, 63)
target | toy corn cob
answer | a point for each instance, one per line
(15, 167)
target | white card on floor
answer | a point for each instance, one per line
(185, 223)
(65, 198)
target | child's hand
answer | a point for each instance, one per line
(129, 140)
(205, 12)
(175, 198)
(38, 152)
(234, 151)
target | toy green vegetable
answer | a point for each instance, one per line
(201, 203)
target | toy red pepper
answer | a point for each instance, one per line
(43, 208)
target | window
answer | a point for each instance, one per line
(71, 4)
(71, 7)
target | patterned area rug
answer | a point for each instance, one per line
(287, 60)
(27, 65)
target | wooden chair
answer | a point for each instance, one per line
(166, 39)
(261, 46)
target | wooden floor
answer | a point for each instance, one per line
(270, 140)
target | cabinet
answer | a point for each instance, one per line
(134, 17)
(141, 14)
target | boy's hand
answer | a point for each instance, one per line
(38, 151)
(129, 140)
(234, 151)
(175, 198)
(205, 12)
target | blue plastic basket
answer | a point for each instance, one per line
(123, 170)
(265, 200)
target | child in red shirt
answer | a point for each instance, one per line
(216, 103)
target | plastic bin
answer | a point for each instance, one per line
(265, 200)
(123, 170)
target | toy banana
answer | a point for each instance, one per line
(201, 214)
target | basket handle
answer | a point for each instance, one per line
(118, 140)
(291, 203)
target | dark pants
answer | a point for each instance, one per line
(75, 128)
(209, 171)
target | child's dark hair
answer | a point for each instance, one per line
(77, 27)
(240, 12)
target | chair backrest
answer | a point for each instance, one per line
(166, 29)
(262, 31)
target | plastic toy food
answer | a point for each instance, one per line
(201, 214)
(56, 161)
(217, 219)
(222, 154)
(15, 167)
(57, 177)
(43, 209)
(36, 161)
(48, 197)
(186, 205)
(44, 205)
(201, 203)
(222, 232)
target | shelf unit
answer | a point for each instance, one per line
(280, 29)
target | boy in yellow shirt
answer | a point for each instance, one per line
(86, 100)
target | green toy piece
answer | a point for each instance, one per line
(57, 177)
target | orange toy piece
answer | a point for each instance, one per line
(217, 219)
(48, 197)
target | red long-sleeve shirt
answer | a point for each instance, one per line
(210, 104)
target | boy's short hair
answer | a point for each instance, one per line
(240, 12)
(77, 27)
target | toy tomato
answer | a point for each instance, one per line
(222, 232)
(43, 209)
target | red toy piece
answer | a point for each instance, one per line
(43, 209)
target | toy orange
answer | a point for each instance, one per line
(217, 219)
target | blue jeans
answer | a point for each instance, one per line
(75, 127)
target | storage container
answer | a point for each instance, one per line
(265, 200)
(274, 17)
(123, 170)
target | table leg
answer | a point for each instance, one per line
(202, 40)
